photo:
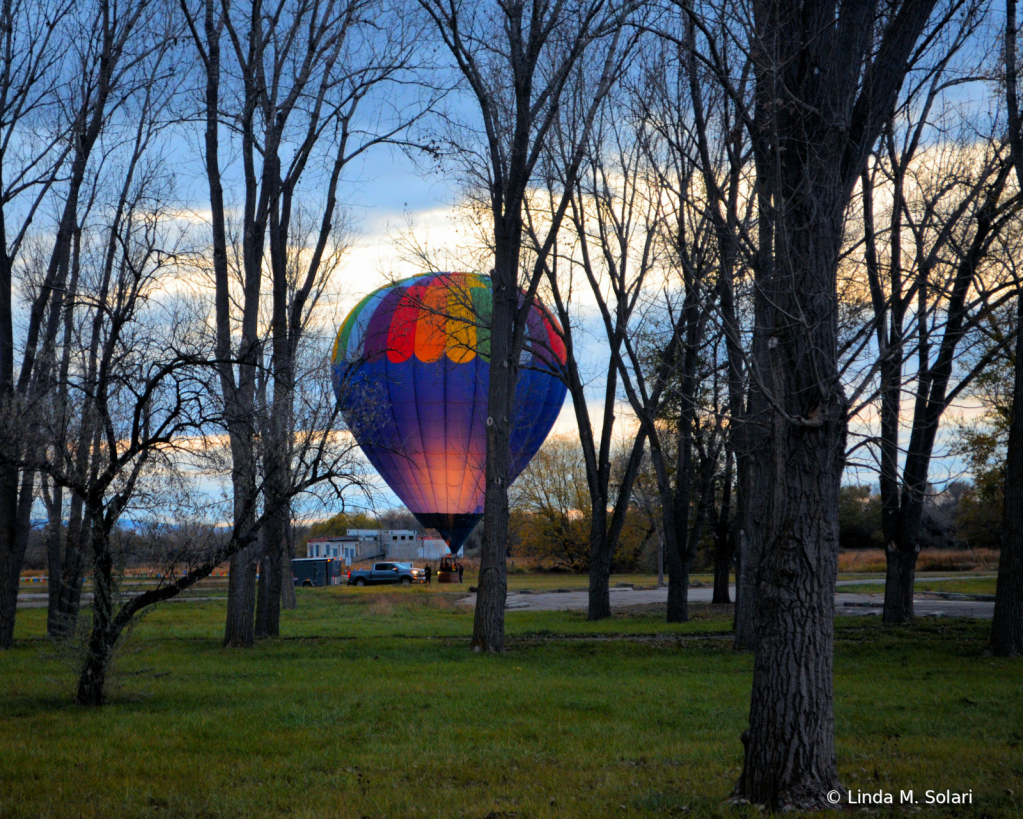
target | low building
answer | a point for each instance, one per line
(349, 549)
(369, 544)
(416, 549)
(391, 544)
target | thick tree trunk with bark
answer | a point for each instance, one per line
(99, 648)
(753, 490)
(239, 626)
(790, 752)
(796, 435)
(1007, 626)
(722, 569)
(54, 562)
(271, 575)
(900, 575)
(599, 602)
(827, 79)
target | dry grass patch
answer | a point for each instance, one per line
(929, 560)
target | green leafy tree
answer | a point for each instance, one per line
(859, 518)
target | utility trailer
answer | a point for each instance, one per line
(318, 571)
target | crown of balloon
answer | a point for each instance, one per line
(433, 315)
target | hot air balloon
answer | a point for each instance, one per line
(411, 370)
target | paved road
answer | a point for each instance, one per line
(845, 603)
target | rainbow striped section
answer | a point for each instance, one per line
(431, 316)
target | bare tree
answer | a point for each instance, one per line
(827, 77)
(610, 251)
(76, 66)
(143, 386)
(716, 74)
(517, 59)
(138, 401)
(641, 223)
(930, 284)
(294, 75)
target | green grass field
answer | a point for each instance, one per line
(371, 705)
(965, 585)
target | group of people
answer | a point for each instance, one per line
(447, 564)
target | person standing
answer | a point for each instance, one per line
(427, 574)
(461, 569)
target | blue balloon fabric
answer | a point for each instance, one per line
(411, 370)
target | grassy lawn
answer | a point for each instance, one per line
(537, 581)
(371, 705)
(965, 585)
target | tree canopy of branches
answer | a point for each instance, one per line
(516, 60)
(289, 84)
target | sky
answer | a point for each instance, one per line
(388, 190)
(384, 189)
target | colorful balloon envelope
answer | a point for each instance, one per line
(411, 370)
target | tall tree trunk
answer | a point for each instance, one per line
(268, 601)
(239, 626)
(598, 605)
(54, 562)
(677, 573)
(98, 652)
(16, 558)
(1007, 626)
(790, 752)
(488, 622)
(900, 577)
(723, 539)
(288, 598)
(796, 420)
